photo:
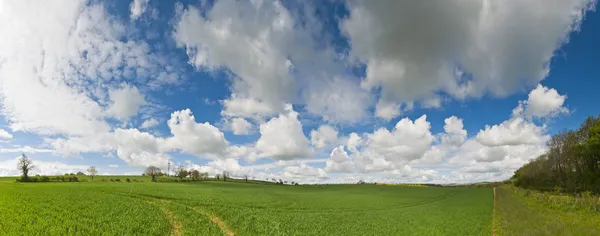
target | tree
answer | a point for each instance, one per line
(80, 173)
(25, 165)
(92, 172)
(195, 174)
(181, 172)
(217, 176)
(246, 177)
(152, 171)
(225, 175)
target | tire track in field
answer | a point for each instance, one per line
(214, 218)
(176, 228)
(494, 214)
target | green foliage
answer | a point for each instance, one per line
(572, 163)
(111, 208)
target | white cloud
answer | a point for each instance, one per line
(406, 142)
(141, 149)
(246, 107)
(455, 134)
(324, 136)
(337, 100)
(60, 59)
(275, 58)
(339, 161)
(195, 138)
(5, 134)
(113, 166)
(542, 102)
(240, 126)
(149, 123)
(387, 110)
(26, 149)
(125, 101)
(282, 137)
(504, 45)
(252, 49)
(304, 172)
(515, 131)
(137, 8)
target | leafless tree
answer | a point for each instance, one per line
(152, 171)
(246, 177)
(92, 172)
(25, 165)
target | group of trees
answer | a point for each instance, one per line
(572, 162)
(180, 172)
(25, 166)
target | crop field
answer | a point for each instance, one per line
(519, 215)
(235, 208)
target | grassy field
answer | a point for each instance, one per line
(230, 208)
(520, 215)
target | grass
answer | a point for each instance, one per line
(517, 214)
(225, 208)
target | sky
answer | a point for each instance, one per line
(455, 91)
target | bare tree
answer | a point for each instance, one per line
(246, 177)
(205, 175)
(217, 176)
(181, 172)
(92, 172)
(25, 165)
(152, 171)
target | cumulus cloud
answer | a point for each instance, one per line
(282, 137)
(149, 123)
(407, 141)
(461, 48)
(325, 135)
(236, 106)
(455, 134)
(126, 101)
(5, 134)
(75, 53)
(240, 126)
(252, 49)
(141, 149)
(542, 102)
(195, 138)
(339, 161)
(337, 100)
(137, 8)
(514, 131)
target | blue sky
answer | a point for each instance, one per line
(333, 91)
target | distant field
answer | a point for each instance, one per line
(518, 215)
(235, 208)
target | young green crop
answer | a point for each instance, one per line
(213, 208)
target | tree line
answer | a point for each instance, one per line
(571, 163)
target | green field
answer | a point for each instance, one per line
(519, 215)
(236, 208)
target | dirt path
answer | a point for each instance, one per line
(494, 215)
